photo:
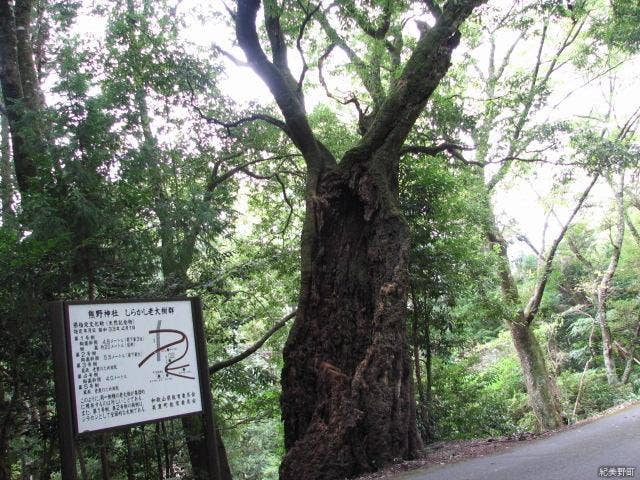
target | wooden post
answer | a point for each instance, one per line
(205, 391)
(58, 312)
(63, 390)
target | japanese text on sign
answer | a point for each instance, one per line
(132, 363)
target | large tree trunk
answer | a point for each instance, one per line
(347, 393)
(33, 97)
(542, 392)
(20, 87)
(198, 452)
(347, 401)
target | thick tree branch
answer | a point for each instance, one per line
(216, 367)
(545, 270)
(276, 36)
(422, 73)
(529, 243)
(278, 78)
(432, 149)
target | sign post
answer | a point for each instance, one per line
(120, 363)
(63, 391)
(208, 421)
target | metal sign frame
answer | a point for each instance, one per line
(58, 313)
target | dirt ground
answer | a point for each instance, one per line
(442, 453)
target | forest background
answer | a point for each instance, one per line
(142, 156)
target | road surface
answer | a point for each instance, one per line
(574, 454)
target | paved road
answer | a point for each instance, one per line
(575, 454)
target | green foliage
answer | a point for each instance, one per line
(476, 403)
(617, 24)
(597, 394)
(256, 451)
(331, 131)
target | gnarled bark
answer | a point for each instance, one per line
(348, 405)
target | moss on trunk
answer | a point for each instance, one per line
(541, 387)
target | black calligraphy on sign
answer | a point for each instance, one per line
(169, 368)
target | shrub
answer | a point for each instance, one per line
(597, 395)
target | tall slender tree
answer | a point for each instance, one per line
(605, 284)
(506, 133)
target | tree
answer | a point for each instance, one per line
(347, 403)
(613, 147)
(20, 86)
(635, 339)
(449, 266)
(507, 133)
(184, 209)
(604, 287)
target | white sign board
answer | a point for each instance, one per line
(132, 363)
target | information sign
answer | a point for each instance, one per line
(132, 363)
